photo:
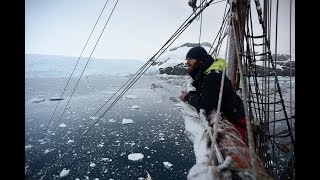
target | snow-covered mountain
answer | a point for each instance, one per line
(172, 61)
(61, 66)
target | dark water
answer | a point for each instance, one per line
(157, 131)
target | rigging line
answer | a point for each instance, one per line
(86, 64)
(222, 29)
(175, 36)
(222, 24)
(82, 135)
(131, 84)
(200, 29)
(274, 96)
(216, 50)
(258, 7)
(80, 138)
(217, 2)
(217, 119)
(201, 24)
(255, 69)
(290, 67)
(73, 70)
(248, 122)
(179, 31)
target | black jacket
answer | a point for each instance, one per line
(207, 91)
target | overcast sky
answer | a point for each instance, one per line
(136, 30)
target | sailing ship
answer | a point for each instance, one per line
(219, 150)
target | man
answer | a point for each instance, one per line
(207, 73)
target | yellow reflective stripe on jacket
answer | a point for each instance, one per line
(218, 64)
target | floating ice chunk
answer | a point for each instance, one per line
(162, 139)
(106, 159)
(112, 120)
(92, 165)
(70, 141)
(28, 146)
(48, 150)
(161, 134)
(101, 144)
(135, 157)
(26, 168)
(64, 172)
(62, 125)
(36, 100)
(130, 96)
(93, 117)
(135, 107)
(126, 121)
(167, 165)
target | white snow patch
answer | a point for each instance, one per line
(135, 107)
(64, 172)
(92, 165)
(62, 125)
(126, 121)
(167, 165)
(135, 156)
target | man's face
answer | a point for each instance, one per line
(192, 65)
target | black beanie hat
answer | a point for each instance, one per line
(198, 53)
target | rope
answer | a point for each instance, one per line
(292, 148)
(179, 31)
(153, 59)
(86, 64)
(200, 25)
(217, 119)
(244, 94)
(276, 79)
(221, 30)
(46, 132)
(274, 96)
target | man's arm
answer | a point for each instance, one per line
(209, 98)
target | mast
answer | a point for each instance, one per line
(239, 14)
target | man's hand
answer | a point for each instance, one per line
(182, 96)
